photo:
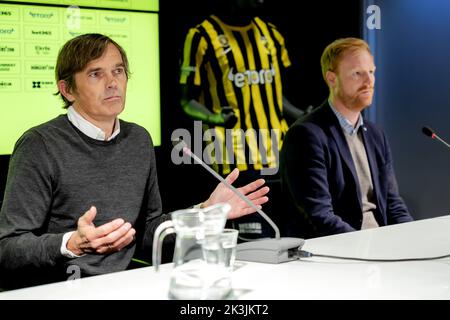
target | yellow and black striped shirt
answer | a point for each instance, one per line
(239, 67)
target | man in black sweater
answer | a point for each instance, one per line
(82, 189)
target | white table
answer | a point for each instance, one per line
(312, 278)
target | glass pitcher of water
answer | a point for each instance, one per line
(199, 269)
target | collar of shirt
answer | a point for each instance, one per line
(88, 128)
(345, 123)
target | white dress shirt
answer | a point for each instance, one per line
(95, 133)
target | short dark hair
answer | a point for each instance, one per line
(75, 55)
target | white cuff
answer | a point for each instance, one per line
(64, 251)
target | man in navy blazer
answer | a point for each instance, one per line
(336, 167)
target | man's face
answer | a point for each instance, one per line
(101, 87)
(353, 82)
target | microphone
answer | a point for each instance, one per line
(430, 133)
(278, 250)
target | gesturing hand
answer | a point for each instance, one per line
(107, 238)
(254, 191)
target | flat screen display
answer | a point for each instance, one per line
(31, 34)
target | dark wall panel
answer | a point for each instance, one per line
(412, 90)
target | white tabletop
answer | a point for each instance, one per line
(309, 278)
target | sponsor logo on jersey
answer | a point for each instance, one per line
(251, 77)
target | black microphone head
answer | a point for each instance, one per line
(427, 131)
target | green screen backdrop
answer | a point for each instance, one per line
(31, 34)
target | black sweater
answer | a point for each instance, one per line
(56, 174)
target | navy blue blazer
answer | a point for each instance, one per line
(320, 183)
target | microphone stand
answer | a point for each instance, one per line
(239, 194)
(273, 250)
